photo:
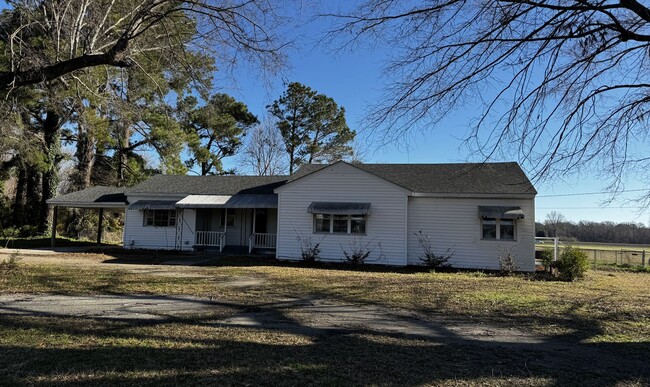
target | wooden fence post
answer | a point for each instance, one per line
(594, 259)
(643, 258)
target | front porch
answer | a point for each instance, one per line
(240, 227)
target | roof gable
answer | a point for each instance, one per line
(309, 170)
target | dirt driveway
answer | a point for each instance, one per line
(307, 315)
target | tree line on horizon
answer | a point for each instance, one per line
(556, 225)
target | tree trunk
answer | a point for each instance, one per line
(291, 161)
(19, 200)
(122, 155)
(85, 158)
(52, 137)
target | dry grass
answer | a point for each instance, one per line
(605, 319)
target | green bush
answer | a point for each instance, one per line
(546, 257)
(572, 264)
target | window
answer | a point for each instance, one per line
(507, 229)
(231, 218)
(322, 223)
(358, 225)
(339, 224)
(494, 228)
(160, 218)
(489, 228)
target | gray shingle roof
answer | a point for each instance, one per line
(209, 185)
(93, 196)
(456, 178)
(459, 178)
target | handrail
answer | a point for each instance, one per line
(262, 240)
(211, 238)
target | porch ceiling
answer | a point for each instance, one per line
(229, 201)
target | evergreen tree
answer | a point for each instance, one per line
(312, 125)
(215, 131)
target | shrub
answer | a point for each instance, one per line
(546, 256)
(309, 249)
(10, 265)
(507, 263)
(358, 251)
(572, 264)
(429, 257)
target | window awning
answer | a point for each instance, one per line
(500, 212)
(153, 205)
(339, 208)
(228, 201)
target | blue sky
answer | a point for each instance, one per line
(354, 79)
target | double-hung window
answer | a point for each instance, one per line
(499, 222)
(339, 224)
(498, 229)
(160, 218)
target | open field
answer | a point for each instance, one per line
(606, 255)
(252, 321)
(607, 246)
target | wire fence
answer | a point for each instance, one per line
(598, 257)
(621, 257)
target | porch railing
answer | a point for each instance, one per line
(262, 241)
(211, 239)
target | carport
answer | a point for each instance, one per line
(99, 198)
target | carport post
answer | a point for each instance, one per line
(100, 226)
(55, 213)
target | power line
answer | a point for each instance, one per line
(592, 193)
(584, 208)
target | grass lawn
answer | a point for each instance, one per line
(38, 242)
(595, 331)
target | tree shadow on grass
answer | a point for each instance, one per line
(266, 344)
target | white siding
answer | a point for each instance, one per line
(385, 226)
(455, 223)
(137, 235)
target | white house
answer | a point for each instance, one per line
(476, 212)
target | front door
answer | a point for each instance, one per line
(260, 221)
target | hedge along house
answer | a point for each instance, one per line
(478, 212)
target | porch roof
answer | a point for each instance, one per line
(94, 197)
(229, 201)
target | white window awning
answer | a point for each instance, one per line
(500, 212)
(153, 205)
(339, 208)
(229, 201)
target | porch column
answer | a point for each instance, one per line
(100, 226)
(225, 220)
(55, 215)
(254, 213)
